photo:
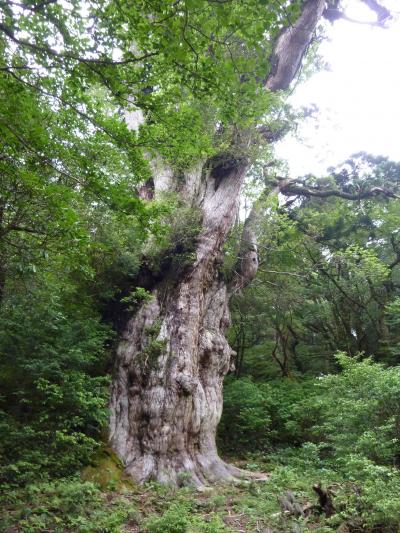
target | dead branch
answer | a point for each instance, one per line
(325, 500)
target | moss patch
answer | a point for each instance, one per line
(107, 471)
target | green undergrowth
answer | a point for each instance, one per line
(66, 505)
(365, 498)
(337, 436)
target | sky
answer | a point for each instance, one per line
(358, 97)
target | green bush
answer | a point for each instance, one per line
(175, 520)
(359, 411)
(264, 414)
(245, 417)
(365, 495)
(356, 411)
(54, 403)
(179, 519)
(380, 500)
(342, 430)
(282, 397)
(65, 505)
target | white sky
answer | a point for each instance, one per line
(358, 99)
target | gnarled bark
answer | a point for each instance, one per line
(167, 389)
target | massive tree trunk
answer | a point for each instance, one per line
(166, 398)
(167, 390)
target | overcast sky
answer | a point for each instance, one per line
(358, 98)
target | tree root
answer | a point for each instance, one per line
(197, 471)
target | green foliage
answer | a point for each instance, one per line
(328, 278)
(173, 248)
(263, 414)
(178, 519)
(392, 315)
(54, 398)
(175, 520)
(66, 505)
(340, 429)
(152, 351)
(184, 135)
(282, 397)
(246, 417)
(354, 412)
(359, 410)
(135, 298)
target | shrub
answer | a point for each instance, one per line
(178, 519)
(360, 411)
(175, 520)
(245, 417)
(265, 414)
(289, 425)
(65, 505)
(53, 405)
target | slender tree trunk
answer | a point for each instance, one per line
(166, 397)
(240, 350)
(2, 258)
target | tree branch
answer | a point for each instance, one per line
(288, 188)
(291, 46)
(67, 55)
(381, 12)
(333, 13)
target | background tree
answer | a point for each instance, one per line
(328, 272)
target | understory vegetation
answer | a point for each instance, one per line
(312, 403)
(339, 433)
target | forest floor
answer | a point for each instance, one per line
(285, 502)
